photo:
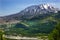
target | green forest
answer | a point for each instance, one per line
(47, 26)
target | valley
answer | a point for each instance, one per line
(31, 23)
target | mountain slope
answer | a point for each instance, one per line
(32, 21)
(35, 11)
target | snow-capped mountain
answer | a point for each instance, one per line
(36, 10)
(42, 7)
(32, 12)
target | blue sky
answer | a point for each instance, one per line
(8, 7)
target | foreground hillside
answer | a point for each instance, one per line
(33, 27)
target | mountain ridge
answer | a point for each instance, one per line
(30, 12)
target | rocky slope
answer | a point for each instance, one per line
(34, 11)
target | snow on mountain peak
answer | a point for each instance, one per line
(45, 6)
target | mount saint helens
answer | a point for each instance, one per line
(31, 21)
(32, 12)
